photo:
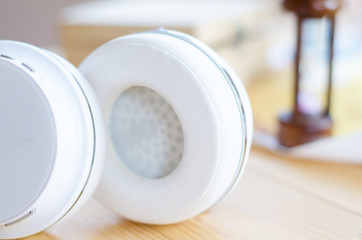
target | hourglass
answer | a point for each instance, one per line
(310, 117)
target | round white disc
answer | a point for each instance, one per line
(27, 141)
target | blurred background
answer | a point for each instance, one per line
(36, 21)
(257, 37)
(32, 21)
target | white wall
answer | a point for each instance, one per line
(32, 21)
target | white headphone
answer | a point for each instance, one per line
(176, 131)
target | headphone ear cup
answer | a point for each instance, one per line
(54, 138)
(179, 124)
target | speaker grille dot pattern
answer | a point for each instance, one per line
(146, 132)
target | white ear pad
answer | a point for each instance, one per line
(179, 124)
(51, 142)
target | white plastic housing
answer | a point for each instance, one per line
(51, 143)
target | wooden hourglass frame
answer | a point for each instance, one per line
(298, 127)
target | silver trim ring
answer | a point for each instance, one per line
(233, 88)
(94, 141)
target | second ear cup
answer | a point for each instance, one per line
(179, 125)
(52, 140)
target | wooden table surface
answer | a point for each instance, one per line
(275, 199)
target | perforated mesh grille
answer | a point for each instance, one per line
(146, 133)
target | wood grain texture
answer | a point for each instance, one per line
(275, 199)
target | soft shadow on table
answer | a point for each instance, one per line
(343, 149)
